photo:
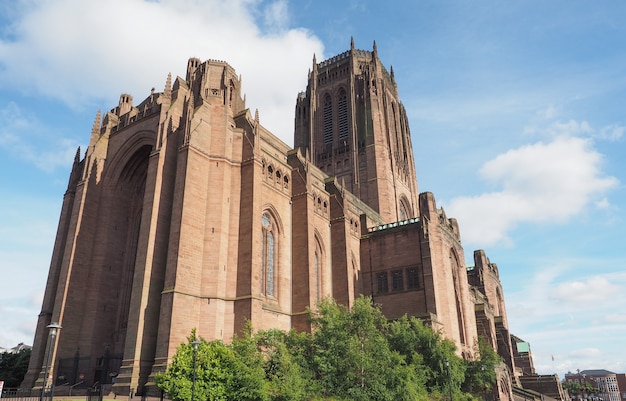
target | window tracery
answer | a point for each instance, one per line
(268, 256)
(342, 114)
(328, 120)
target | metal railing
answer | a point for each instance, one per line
(21, 394)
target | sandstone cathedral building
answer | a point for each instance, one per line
(185, 212)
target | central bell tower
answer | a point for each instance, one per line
(352, 123)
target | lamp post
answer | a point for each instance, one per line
(482, 370)
(449, 379)
(195, 344)
(53, 328)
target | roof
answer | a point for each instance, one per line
(596, 372)
(15, 349)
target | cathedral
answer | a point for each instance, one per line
(185, 212)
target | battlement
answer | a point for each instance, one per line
(128, 114)
(382, 227)
(334, 59)
(362, 54)
(195, 63)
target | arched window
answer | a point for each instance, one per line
(328, 120)
(499, 303)
(397, 132)
(318, 261)
(404, 209)
(268, 256)
(342, 115)
(317, 276)
(231, 92)
(455, 266)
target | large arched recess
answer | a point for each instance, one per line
(122, 191)
(456, 267)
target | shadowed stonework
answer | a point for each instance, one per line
(185, 212)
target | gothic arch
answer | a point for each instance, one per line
(396, 131)
(231, 92)
(405, 211)
(319, 264)
(327, 115)
(455, 266)
(118, 225)
(128, 270)
(139, 146)
(271, 242)
(343, 123)
(499, 302)
(274, 214)
(355, 275)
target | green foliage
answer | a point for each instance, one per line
(288, 376)
(352, 358)
(480, 376)
(575, 388)
(428, 352)
(13, 367)
(354, 355)
(221, 374)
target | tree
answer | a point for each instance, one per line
(480, 376)
(221, 374)
(13, 367)
(575, 388)
(428, 352)
(286, 371)
(351, 356)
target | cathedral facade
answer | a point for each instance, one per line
(185, 212)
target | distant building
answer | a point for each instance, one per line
(621, 385)
(523, 356)
(19, 347)
(549, 385)
(596, 384)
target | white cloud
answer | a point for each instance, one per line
(593, 290)
(276, 15)
(88, 52)
(548, 113)
(611, 132)
(27, 232)
(24, 137)
(559, 302)
(603, 204)
(541, 182)
(558, 294)
(572, 319)
(584, 353)
(616, 318)
(569, 128)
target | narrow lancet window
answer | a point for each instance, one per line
(268, 252)
(342, 114)
(328, 120)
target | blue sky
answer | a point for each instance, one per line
(516, 112)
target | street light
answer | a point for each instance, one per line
(482, 370)
(449, 379)
(54, 327)
(195, 344)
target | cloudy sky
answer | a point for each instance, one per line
(517, 115)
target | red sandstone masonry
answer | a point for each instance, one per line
(162, 232)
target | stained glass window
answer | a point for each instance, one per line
(268, 252)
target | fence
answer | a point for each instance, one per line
(21, 394)
(95, 393)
